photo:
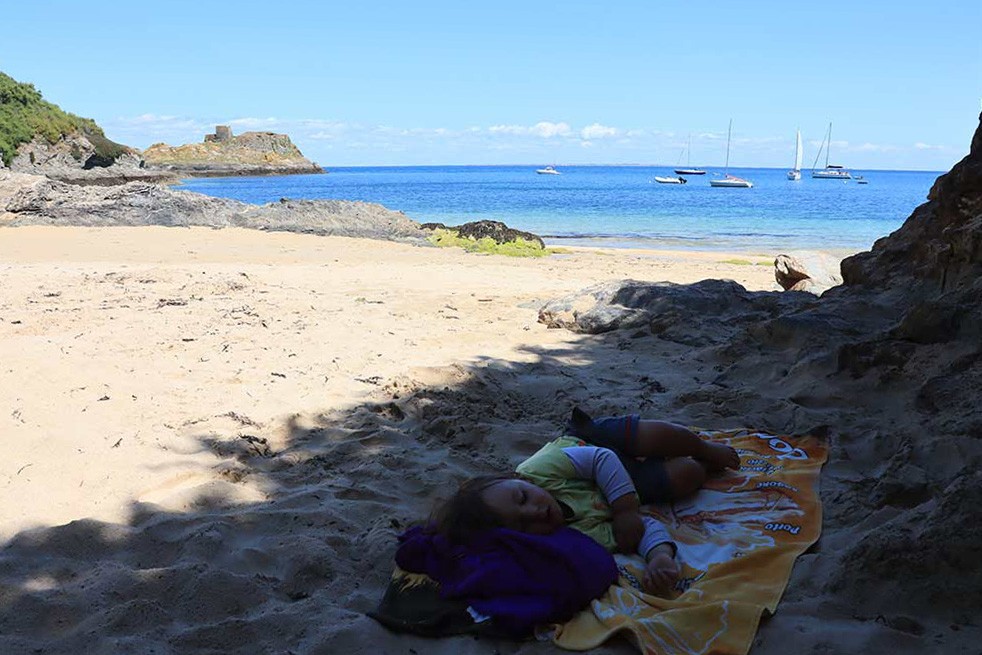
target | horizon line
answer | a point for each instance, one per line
(624, 165)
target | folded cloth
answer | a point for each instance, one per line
(519, 580)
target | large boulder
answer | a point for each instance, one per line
(494, 230)
(693, 314)
(815, 272)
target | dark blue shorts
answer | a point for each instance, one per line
(620, 434)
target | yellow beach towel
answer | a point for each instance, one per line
(738, 538)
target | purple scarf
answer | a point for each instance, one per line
(521, 580)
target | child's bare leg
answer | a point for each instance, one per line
(668, 440)
(685, 476)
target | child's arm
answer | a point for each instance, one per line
(603, 467)
(661, 573)
(658, 550)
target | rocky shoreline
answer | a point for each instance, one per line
(39, 200)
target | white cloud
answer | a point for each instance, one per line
(252, 123)
(873, 147)
(508, 129)
(598, 131)
(543, 129)
(548, 130)
(927, 146)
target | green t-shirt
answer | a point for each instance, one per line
(552, 470)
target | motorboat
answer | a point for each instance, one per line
(730, 181)
(831, 171)
(688, 170)
(861, 180)
(669, 180)
(795, 173)
(548, 170)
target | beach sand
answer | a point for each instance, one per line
(213, 437)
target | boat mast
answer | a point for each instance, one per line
(828, 147)
(797, 150)
(729, 130)
(688, 151)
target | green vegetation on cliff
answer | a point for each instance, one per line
(24, 114)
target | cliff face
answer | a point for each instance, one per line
(889, 367)
(251, 153)
(74, 158)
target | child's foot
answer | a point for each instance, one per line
(718, 457)
(580, 424)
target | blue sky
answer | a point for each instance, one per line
(399, 83)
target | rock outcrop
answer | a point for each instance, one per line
(76, 160)
(889, 364)
(494, 230)
(222, 154)
(36, 200)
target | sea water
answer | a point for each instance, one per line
(619, 206)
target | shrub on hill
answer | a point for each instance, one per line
(24, 114)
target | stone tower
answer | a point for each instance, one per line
(222, 133)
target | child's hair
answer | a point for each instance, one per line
(465, 514)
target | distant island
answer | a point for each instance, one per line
(224, 154)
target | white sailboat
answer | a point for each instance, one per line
(730, 181)
(795, 173)
(688, 170)
(831, 171)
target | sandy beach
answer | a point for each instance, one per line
(124, 347)
(185, 383)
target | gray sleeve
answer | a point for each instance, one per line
(655, 534)
(603, 467)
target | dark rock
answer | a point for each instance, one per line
(497, 231)
(692, 314)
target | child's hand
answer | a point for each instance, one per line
(660, 575)
(719, 456)
(628, 530)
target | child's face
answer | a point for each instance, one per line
(523, 506)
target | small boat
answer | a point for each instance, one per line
(795, 173)
(688, 170)
(861, 180)
(548, 170)
(831, 171)
(730, 181)
(669, 180)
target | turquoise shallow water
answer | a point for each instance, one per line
(619, 206)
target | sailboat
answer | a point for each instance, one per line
(831, 171)
(730, 180)
(688, 170)
(795, 173)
